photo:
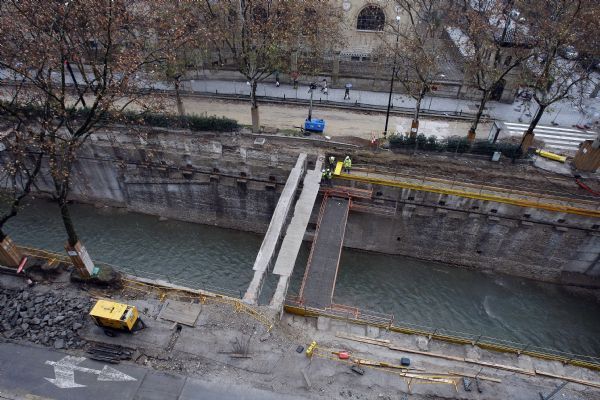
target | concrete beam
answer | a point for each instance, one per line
(286, 259)
(271, 240)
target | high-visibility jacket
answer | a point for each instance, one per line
(347, 163)
(331, 160)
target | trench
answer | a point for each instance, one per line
(416, 292)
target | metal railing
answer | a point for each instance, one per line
(356, 315)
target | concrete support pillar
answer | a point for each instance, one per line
(278, 299)
(10, 256)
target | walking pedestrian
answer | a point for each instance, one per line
(347, 91)
(329, 177)
(347, 164)
(331, 161)
(324, 86)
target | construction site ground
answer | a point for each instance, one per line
(232, 345)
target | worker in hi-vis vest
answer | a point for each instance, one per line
(347, 164)
(331, 162)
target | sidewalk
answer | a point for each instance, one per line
(563, 113)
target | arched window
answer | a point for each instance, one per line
(370, 18)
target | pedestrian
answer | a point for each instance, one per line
(295, 79)
(329, 177)
(277, 78)
(347, 92)
(324, 86)
(331, 161)
(347, 164)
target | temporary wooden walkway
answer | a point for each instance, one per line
(321, 272)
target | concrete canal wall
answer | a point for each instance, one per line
(235, 181)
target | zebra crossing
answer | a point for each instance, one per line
(555, 138)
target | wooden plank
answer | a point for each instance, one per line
(179, 312)
(483, 378)
(426, 353)
(501, 366)
(363, 339)
(568, 378)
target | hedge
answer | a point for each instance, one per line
(193, 122)
(452, 144)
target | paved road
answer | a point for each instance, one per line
(27, 370)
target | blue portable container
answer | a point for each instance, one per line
(314, 125)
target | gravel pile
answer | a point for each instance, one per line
(48, 319)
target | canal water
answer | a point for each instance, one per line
(415, 292)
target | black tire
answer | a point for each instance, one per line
(110, 333)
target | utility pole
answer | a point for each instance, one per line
(387, 114)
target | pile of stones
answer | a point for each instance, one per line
(45, 318)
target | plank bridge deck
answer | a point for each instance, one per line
(321, 272)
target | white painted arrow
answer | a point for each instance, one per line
(64, 371)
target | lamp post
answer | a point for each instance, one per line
(387, 114)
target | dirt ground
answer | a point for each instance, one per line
(338, 122)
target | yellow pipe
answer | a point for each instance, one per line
(477, 196)
(551, 156)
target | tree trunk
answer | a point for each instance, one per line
(68, 222)
(414, 128)
(527, 140)
(475, 123)
(180, 108)
(254, 107)
(595, 92)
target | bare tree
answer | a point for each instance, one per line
(77, 62)
(492, 43)
(260, 36)
(557, 27)
(421, 50)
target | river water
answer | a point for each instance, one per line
(415, 292)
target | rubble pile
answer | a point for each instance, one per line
(44, 318)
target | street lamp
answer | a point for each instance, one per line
(387, 114)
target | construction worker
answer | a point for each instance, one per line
(329, 177)
(324, 175)
(347, 164)
(331, 162)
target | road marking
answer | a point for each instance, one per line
(64, 372)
